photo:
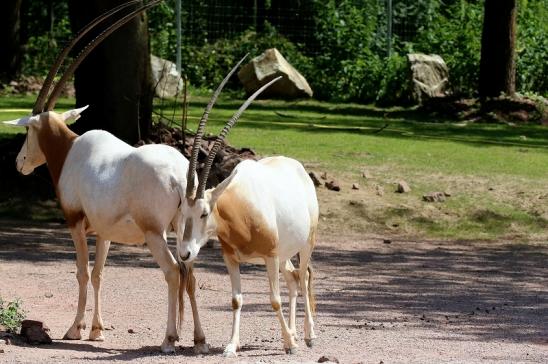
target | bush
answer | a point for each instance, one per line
(455, 34)
(207, 64)
(346, 57)
(11, 315)
(532, 43)
(395, 86)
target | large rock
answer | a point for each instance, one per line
(430, 76)
(167, 80)
(269, 65)
(35, 332)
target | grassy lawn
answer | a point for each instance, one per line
(496, 174)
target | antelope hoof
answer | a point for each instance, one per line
(96, 335)
(291, 350)
(309, 342)
(73, 334)
(230, 351)
(202, 348)
(168, 346)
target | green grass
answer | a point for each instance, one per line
(11, 315)
(429, 153)
(345, 135)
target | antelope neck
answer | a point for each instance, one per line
(55, 140)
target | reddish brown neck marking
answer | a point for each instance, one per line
(55, 140)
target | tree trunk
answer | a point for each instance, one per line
(497, 66)
(10, 47)
(115, 79)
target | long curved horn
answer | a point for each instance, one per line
(88, 48)
(41, 99)
(201, 128)
(222, 135)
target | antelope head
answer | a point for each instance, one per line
(195, 221)
(43, 117)
(31, 155)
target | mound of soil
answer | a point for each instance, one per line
(31, 85)
(226, 159)
(502, 109)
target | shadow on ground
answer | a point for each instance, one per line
(487, 290)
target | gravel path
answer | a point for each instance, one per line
(406, 301)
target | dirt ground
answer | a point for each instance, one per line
(403, 301)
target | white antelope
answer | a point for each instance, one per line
(120, 193)
(109, 188)
(265, 212)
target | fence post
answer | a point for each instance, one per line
(178, 26)
(389, 27)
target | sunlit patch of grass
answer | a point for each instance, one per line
(397, 143)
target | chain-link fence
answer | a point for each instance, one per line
(208, 21)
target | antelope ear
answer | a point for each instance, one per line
(73, 114)
(221, 187)
(26, 121)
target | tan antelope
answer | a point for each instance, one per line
(265, 212)
(105, 186)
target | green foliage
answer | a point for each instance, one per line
(395, 84)
(11, 314)
(455, 34)
(206, 64)
(162, 30)
(532, 43)
(44, 39)
(344, 58)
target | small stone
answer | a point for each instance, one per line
(333, 185)
(131, 331)
(315, 179)
(379, 190)
(434, 197)
(387, 241)
(447, 194)
(328, 359)
(355, 186)
(324, 176)
(366, 175)
(35, 332)
(403, 187)
(48, 295)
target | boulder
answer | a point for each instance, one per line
(430, 76)
(167, 80)
(403, 187)
(434, 197)
(268, 66)
(35, 332)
